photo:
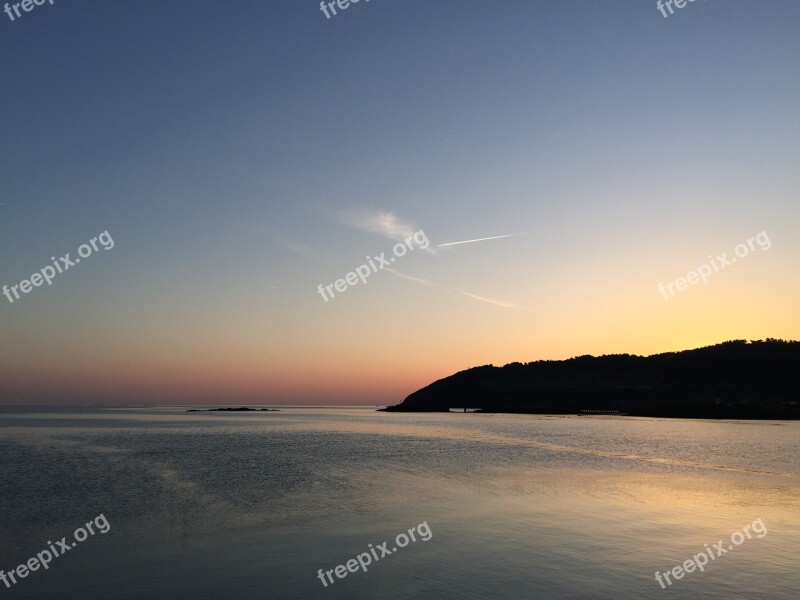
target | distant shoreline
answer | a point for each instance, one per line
(716, 417)
(240, 409)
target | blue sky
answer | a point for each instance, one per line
(226, 146)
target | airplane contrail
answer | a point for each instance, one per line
(496, 237)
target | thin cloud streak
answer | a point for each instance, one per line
(500, 303)
(494, 302)
(300, 249)
(409, 277)
(496, 237)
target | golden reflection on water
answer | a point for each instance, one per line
(476, 435)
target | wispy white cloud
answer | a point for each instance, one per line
(383, 223)
(393, 227)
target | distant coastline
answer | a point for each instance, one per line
(732, 380)
(240, 409)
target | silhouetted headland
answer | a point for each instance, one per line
(242, 409)
(732, 380)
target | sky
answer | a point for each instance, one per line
(244, 155)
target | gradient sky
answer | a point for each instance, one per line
(241, 153)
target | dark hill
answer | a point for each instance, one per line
(732, 380)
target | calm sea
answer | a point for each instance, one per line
(240, 506)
